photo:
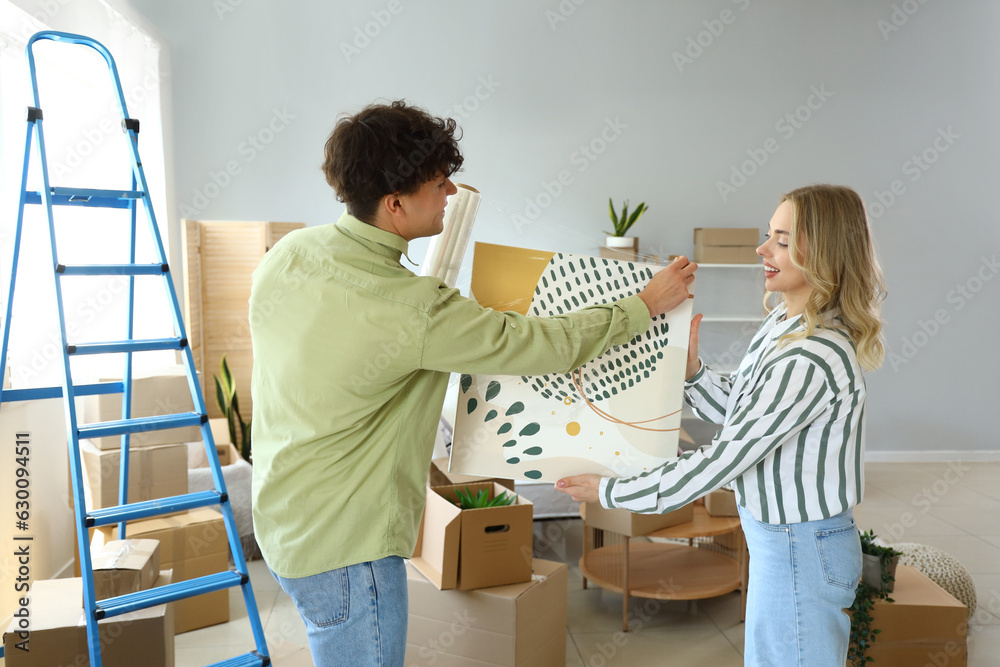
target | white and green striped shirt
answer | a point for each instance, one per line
(792, 439)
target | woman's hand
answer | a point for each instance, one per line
(693, 364)
(581, 488)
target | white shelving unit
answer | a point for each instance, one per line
(730, 296)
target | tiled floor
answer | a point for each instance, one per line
(953, 507)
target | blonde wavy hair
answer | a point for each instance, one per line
(831, 243)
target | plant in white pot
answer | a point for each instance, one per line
(622, 223)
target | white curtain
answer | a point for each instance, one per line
(85, 148)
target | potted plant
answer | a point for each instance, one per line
(878, 575)
(621, 224)
(229, 404)
(878, 563)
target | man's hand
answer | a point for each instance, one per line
(581, 488)
(669, 287)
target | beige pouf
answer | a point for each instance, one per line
(941, 568)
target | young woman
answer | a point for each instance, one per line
(792, 441)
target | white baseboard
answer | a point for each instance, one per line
(934, 456)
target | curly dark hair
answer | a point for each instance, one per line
(385, 149)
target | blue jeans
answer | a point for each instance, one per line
(802, 578)
(355, 616)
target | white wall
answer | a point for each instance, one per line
(896, 83)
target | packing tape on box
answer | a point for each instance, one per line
(446, 250)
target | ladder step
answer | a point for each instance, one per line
(148, 508)
(251, 659)
(85, 197)
(151, 597)
(141, 425)
(149, 345)
(113, 270)
(37, 393)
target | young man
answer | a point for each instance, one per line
(352, 354)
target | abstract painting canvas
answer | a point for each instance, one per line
(617, 415)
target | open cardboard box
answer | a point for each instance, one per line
(632, 524)
(57, 631)
(521, 625)
(477, 548)
(440, 476)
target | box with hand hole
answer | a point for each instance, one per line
(473, 548)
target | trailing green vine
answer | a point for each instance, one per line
(863, 635)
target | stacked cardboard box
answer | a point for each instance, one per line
(521, 625)
(125, 566)
(161, 391)
(193, 544)
(56, 633)
(726, 245)
(156, 471)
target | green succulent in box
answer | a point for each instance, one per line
(623, 222)
(469, 501)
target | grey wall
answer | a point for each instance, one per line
(900, 79)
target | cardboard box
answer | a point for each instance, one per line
(716, 254)
(628, 523)
(159, 471)
(468, 549)
(125, 566)
(57, 631)
(521, 624)
(721, 502)
(727, 236)
(162, 391)
(726, 245)
(923, 623)
(193, 544)
(439, 476)
(196, 457)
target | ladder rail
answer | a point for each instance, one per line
(119, 515)
(29, 131)
(69, 402)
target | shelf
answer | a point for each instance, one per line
(702, 524)
(663, 571)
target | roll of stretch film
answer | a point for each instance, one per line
(446, 250)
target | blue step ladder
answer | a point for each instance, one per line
(50, 197)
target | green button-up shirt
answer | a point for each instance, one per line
(352, 353)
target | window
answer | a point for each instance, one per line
(85, 147)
